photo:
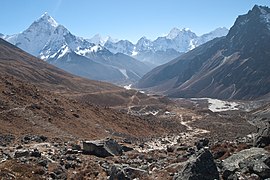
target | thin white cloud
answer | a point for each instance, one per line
(57, 5)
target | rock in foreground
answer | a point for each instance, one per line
(201, 167)
(253, 160)
(102, 148)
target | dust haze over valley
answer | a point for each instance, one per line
(181, 106)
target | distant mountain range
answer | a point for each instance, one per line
(161, 50)
(105, 59)
(232, 67)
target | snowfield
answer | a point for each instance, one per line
(216, 105)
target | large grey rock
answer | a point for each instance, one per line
(21, 153)
(262, 137)
(125, 172)
(253, 160)
(102, 148)
(261, 169)
(199, 167)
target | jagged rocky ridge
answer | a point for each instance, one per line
(163, 49)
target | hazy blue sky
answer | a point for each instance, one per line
(125, 19)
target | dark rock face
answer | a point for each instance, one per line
(254, 160)
(201, 167)
(231, 67)
(102, 148)
(262, 137)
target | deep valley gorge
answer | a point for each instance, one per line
(180, 107)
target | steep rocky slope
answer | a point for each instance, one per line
(231, 67)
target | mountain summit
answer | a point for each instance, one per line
(231, 67)
(46, 18)
(176, 32)
(33, 39)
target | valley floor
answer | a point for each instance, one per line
(186, 126)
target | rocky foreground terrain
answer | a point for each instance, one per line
(37, 157)
(198, 144)
(126, 134)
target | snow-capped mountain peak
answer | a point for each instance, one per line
(45, 37)
(98, 39)
(176, 32)
(47, 18)
(143, 44)
(34, 38)
(222, 31)
(173, 33)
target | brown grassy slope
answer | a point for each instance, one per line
(26, 109)
(15, 62)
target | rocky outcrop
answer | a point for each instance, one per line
(200, 167)
(249, 161)
(102, 148)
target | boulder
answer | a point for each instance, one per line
(102, 148)
(253, 160)
(35, 153)
(33, 138)
(199, 167)
(21, 153)
(262, 137)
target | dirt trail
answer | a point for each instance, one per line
(15, 109)
(129, 106)
(93, 93)
(191, 130)
(187, 137)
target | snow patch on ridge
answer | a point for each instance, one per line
(134, 53)
(63, 51)
(84, 51)
(124, 72)
(128, 87)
